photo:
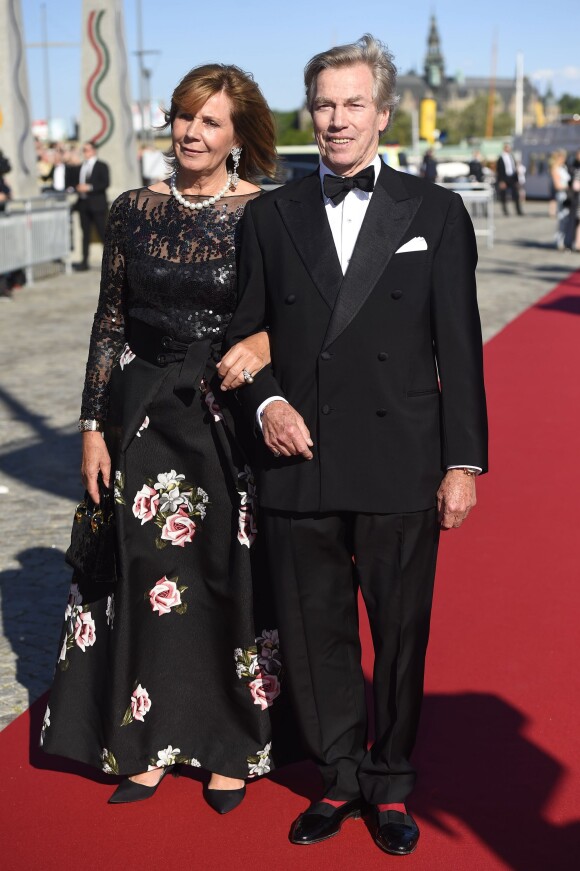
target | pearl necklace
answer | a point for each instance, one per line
(204, 203)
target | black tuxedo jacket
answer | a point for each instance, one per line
(96, 200)
(358, 356)
(500, 170)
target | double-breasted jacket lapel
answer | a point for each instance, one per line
(387, 219)
(305, 220)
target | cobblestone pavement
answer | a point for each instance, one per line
(45, 332)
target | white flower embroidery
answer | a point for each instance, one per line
(247, 529)
(261, 763)
(45, 725)
(167, 757)
(168, 480)
(110, 612)
(170, 500)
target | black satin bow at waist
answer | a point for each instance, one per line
(159, 347)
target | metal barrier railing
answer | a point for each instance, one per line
(34, 231)
(478, 200)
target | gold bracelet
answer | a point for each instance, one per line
(90, 426)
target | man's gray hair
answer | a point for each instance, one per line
(366, 50)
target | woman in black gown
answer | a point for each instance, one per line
(168, 665)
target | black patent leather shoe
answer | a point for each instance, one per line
(322, 821)
(394, 832)
(224, 800)
(129, 791)
(80, 267)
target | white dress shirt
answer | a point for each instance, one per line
(86, 169)
(58, 176)
(346, 218)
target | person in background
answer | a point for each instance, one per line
(11, 280)
(560, 178)
(507, 179)
(476, 167)
(63, 176)
(572, 235)
(429, 166)
(92, 202)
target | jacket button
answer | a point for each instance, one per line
(325, 409)
(326, 355)
(381, 412)
(291, 299)
(165, 341)
(397, 294)
(161, 359)
(382, 356)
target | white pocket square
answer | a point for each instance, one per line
(416, 244)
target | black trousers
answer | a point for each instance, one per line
(317, 565)
(90, 218)
(513, 188)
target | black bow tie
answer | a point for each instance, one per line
(336, 188)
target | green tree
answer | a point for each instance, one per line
(470, 122)
(400, 130)
(569, 105)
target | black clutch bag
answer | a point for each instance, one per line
(92, 551)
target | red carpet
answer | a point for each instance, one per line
(499, 750)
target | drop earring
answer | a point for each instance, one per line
(236, 153)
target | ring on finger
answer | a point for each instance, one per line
(248, 377)
(276, 453)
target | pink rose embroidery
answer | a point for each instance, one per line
(140, 703)
(146, 504)
(179, 528)
(213, 406)
(85, 635)
(126, 357)
(164, 596)
(265, 688)
(143, 426)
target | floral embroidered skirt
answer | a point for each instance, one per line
(178, 661)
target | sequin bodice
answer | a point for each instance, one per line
(168, 266)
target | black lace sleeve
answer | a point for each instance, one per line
(108, 332)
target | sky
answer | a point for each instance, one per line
(273, 40)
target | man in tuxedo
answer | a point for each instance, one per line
(92, 202)
(507, 179)
(365, 279)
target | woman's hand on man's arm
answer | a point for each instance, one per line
(251, 355)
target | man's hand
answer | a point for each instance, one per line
(285, 432)
(455, 498)
(84, 188)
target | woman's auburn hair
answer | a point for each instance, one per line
(251, 116)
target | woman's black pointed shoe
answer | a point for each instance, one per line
(224, 800)
(128, 791)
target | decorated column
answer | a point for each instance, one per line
(15, 122)
(106, 117)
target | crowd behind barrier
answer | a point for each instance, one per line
(38, 230)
